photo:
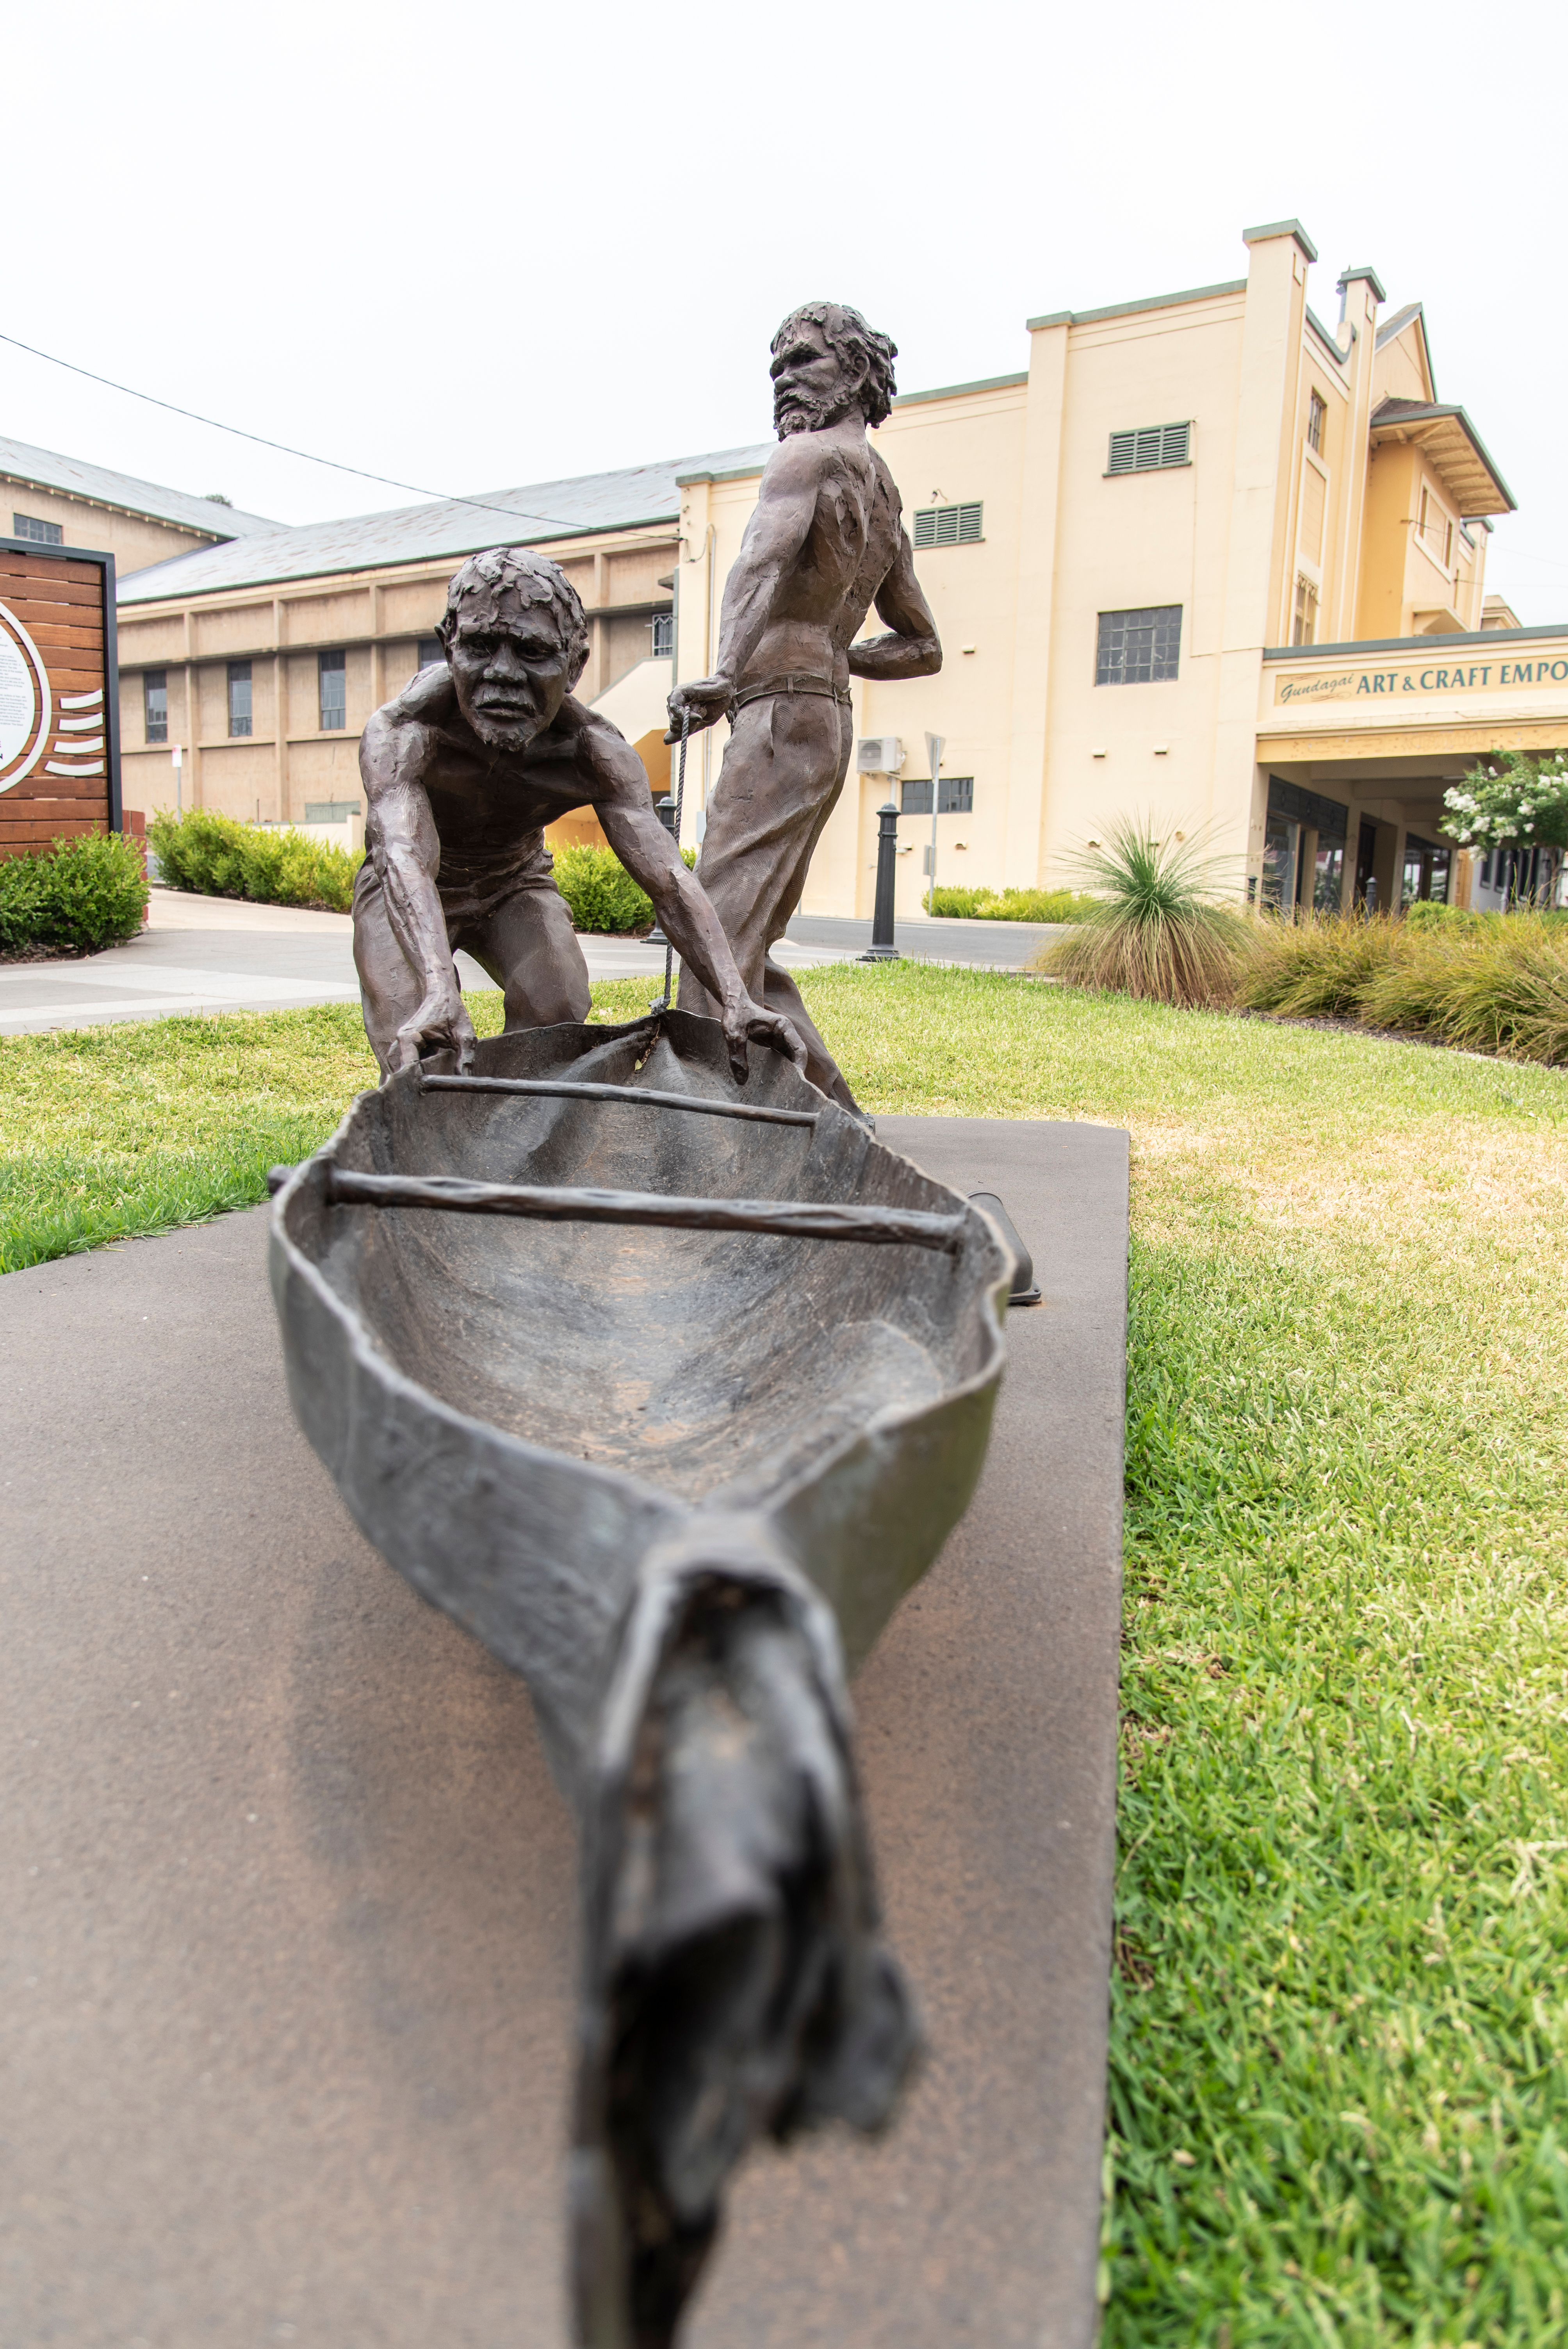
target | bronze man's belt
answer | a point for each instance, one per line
(822, 686)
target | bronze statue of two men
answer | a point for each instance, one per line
(463, 771)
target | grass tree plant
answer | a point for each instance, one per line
(1160, 927)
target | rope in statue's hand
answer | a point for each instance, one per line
(664, 1002)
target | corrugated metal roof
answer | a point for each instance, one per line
(444, 530)
(74, 478)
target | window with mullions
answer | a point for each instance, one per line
(155, 704)
(431, 653)
(1150, 448)
(42, 533)
(332, 669)
(1316, 415)
(949, 525)
(239, 696)
(661, 628)
(956, 797)
(1138, 648)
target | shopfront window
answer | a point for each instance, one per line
(1425, 872)
(1329, 878)
(1304, 851)
(1282, 845)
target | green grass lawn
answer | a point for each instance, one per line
(1338, 2105)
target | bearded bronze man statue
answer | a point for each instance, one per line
(462, 771)
(825, 543)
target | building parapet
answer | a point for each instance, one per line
(957, 390)
(1126, 309)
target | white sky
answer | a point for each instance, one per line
(502, 243)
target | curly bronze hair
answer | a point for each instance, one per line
(858, 345)
(515, 574)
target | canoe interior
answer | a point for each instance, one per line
(706, 1364)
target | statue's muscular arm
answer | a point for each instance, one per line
(912, 648)
(614, 783)
(780, 526)
(395, 752)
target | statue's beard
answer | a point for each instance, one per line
(500, 734)
(801, 412)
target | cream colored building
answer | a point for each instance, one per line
(1139, 550)
(1205, 557)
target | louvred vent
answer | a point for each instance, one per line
(1150, 447)
(948, 525)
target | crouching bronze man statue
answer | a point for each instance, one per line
(825, 542)
(462, 771)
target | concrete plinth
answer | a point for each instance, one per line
(289, 1898)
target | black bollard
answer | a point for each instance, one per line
(664, 809)
(882, 948)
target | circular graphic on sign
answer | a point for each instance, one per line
(26, 703)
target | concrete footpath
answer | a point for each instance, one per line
(289, 1894)
(221, 954)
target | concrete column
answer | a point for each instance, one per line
(1023, 844)
(1388, 865)
(696, 630)
(280, 713)
(193, 716)
(377, 650)
(1257, 824)
(1362, 295)
(1259, 522)
(1347, 871)
(1306, 866)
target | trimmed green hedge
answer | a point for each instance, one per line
(600, 893)
(75, 897)
(219, 856)
(1008, 904)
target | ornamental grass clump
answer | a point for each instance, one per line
(1507, 991)
(1317, 969)
(1485, 982)
(1157, 928)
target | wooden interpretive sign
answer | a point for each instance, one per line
(59, 696)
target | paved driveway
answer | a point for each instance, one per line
(220, 954)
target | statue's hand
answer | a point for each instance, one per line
(747, 1022)
(441, 1024)
(703, 699)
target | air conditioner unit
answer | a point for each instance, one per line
(879, 754)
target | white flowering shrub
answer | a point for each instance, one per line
(1511, 800)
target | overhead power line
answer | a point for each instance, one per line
(482, 505)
